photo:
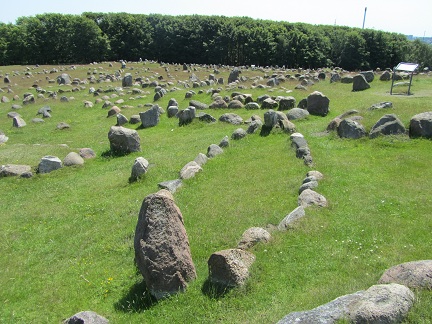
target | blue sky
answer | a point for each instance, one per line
(401, 16)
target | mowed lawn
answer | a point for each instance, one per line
(66, 238)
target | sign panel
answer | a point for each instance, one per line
(408, 67)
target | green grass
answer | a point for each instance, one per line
(66, 238)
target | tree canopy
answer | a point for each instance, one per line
(91, 37)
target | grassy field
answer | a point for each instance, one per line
(66, 238)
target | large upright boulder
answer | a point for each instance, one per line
(234, 75)
(318, 104)
(369, 75)
(139, 168)
(421, 125)
(360, 83)
(123, 140)
(127, 80)
(162, 250)
(150, 118)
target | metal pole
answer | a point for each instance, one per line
(364, 17)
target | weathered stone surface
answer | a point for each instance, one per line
(254, 126)
(318, 175)
(201, 159)
(198, 105)
(360, 83)
(73, 158)
(311, 198)
(296, 214)
(224, 142)
(239, 133)
(86, 317)
(87, 153)
(189, 170)
(139, 168)
(349, 128)
(13, 170)
(186, 116)
(28, 99)
(64, 78)
(231, 118)
(369, 75)
(253, 236)
(308, 185)
(48, 164)
(381, 105)
(297, 113)
(18, 122)
(62, 125)
(387, 125)
(382, 304)
(172, 111)
(421, 125)
(161, 244)
(328, 313)
(270, 118)
(252, 106)
(3, 137)
(206, 118)
(150, 118)
(127, 80)
(235, 104)
(219, 103)
(234, 75)
(230, 268)
(121, 120)
(269, 103)
(171, 185)
(214, 150)
(134, 119)
(414, 274)
(123, 140)
(287, 103)
(385, 76)
(318, 104)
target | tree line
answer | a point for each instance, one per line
(94, 37)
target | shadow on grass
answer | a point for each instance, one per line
(137, 300)
(213, 290)
(109, 154)
(265, 130)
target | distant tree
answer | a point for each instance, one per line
(354, 55)
(421, 53)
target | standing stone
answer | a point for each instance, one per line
(318, 104)
(360, 83)
(385, 76)
(64, 78)
(172, 111)
(201, 159)
(3, 137)
(127, 80)
(139, 168)
(297, 113)
(186, 116)
(231, 118)
(49, 163)
(421, 125)
(224, 142)
(171, 185)
(239, 133)
(73, 158)
(150, 118)
(123, 140)
(270, 118)
(230, 268)
(369, 75)
(161, 244)
(234, 75)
